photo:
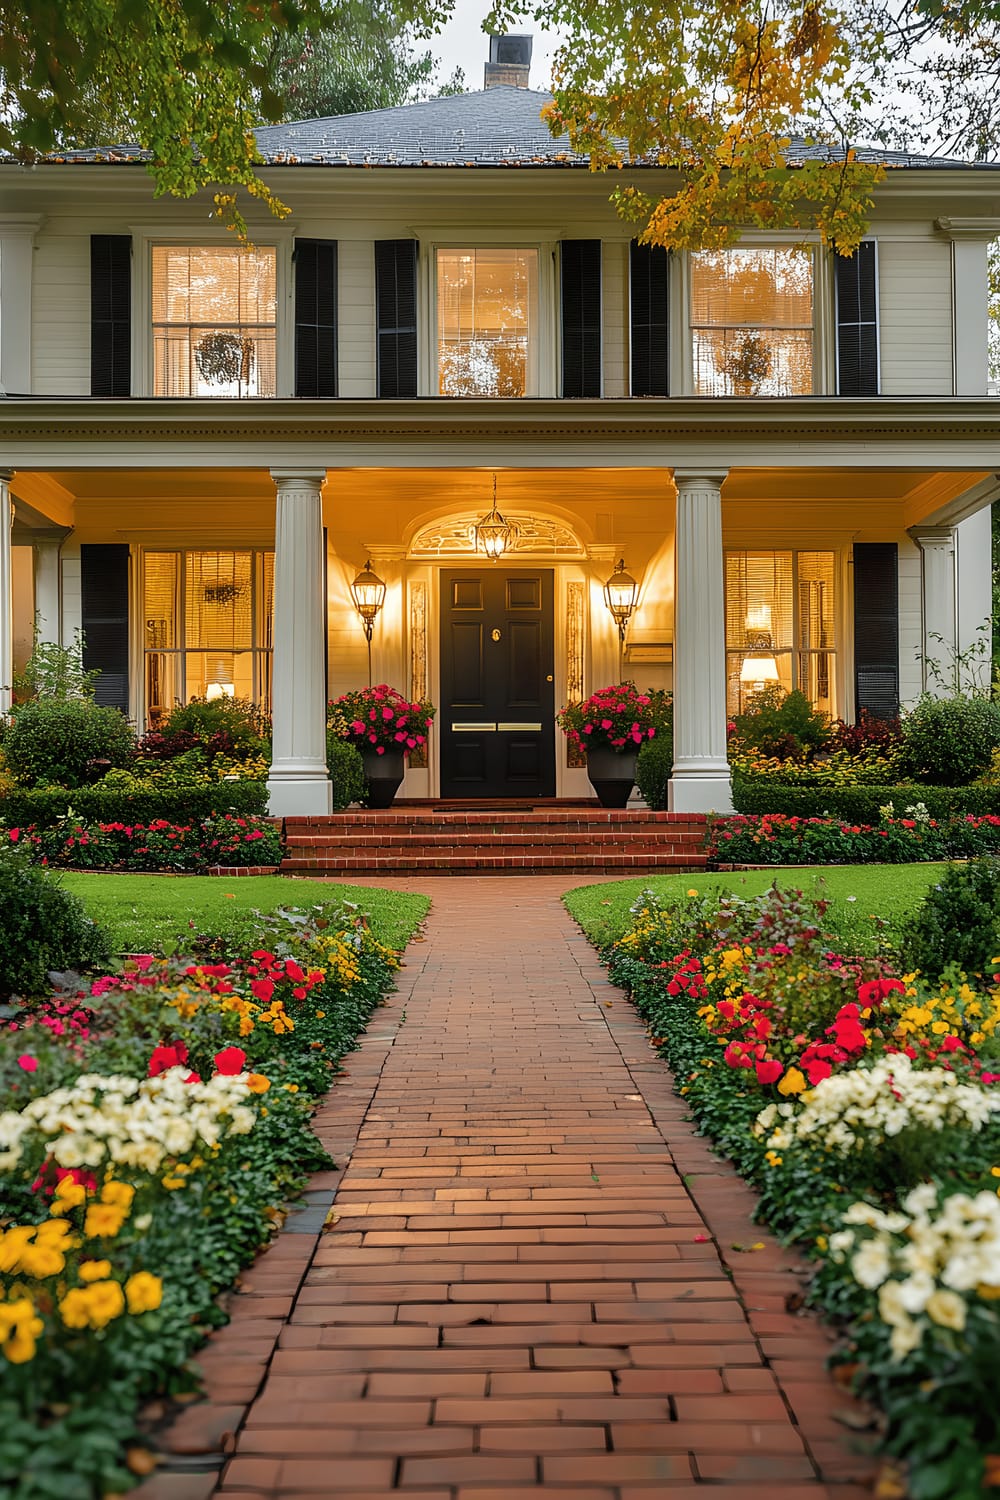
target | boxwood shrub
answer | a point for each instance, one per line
(66, 742)
(44, 806)
(43, 927)
(860, 804)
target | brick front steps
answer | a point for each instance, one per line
(541, 840)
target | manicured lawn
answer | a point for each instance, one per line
(142, 912)
(861, 897)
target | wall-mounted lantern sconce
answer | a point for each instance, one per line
(620, 594)
(368, 593)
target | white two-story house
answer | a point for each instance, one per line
(202, 445)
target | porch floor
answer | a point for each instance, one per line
(496, 838)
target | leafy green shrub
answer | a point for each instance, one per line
(783, 725)
(958, 922)
(347, 772)
(66, 742)
(43, 807)
(43, 926)
(950, 741)
(235, 724)
(653, 770)
(861, 804)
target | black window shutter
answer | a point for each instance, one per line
(857, 321)
(110, 315)
(649, 312)
(104, 598)
(581, 317)
(316, 318)
(396, 317)
(876, 629)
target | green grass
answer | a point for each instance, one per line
(860, 896)
(142, 912)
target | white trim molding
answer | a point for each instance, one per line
(17, 248)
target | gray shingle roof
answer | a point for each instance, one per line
(497, 127)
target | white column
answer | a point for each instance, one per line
(700, 781)
(6, 592)
(47, 610)
(938, 607)
(299, 783)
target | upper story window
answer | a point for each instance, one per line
(752, 321)
(214, 317)
(487, 322)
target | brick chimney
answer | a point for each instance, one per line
(510, 62)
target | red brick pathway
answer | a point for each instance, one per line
(519, 1295)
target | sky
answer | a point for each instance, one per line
(462, 44)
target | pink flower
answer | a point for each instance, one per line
(606, 724)
(27, 1063)
(387, 714)
(14, 835)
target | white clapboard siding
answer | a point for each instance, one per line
(614, 284)
(60, 315)
(356, 317)
(910, 633)
(72, 602)
(916, 317)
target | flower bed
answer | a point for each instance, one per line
(865, 1105)
(230, 840)
(155, 1122)
(777, 840)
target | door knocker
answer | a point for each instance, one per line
(496, 635)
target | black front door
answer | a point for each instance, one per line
(497, 698)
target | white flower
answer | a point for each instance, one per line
(905, 1337)
(871, 1264)
(947, 1309)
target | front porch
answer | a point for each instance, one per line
(292, 500)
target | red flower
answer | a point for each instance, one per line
(230, 1061)
(167, 1056)
(27, 1063)
(262, 989)
(769, 1070)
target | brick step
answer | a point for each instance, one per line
(413, 817)
(640, 862)
(467, 840)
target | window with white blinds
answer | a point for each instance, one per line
(206, 627)
(487, 301)
(752, 321)
(780, 626)
(214, 320)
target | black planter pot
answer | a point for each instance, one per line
(384, 773)
(612, 773)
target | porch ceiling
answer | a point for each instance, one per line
(381, 507)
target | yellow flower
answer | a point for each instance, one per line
(103, 1221)
(995, 1171)
(321, 1015)
(692, 892)
(12, 1245)
(69, 1194)
(42, 1260)
(793, 1082)
(118, 1193)
(20, 1326)
(292, 1088)
(822, 1243)
(773, 1159)
(93, 1306)
(171, 1183)
(143, 1292)
(987, 1292)
(257, 1083)
(95, 1270)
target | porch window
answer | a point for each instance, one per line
(487, 322)
(214, 317)
(752, 322)
(206, 627)
(780, 626)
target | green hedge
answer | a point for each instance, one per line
(44, 806)
(860, 804)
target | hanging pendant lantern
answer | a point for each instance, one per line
(494, 534)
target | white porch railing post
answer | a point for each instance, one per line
(701, 780)
(299, 783)
(938, 607)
